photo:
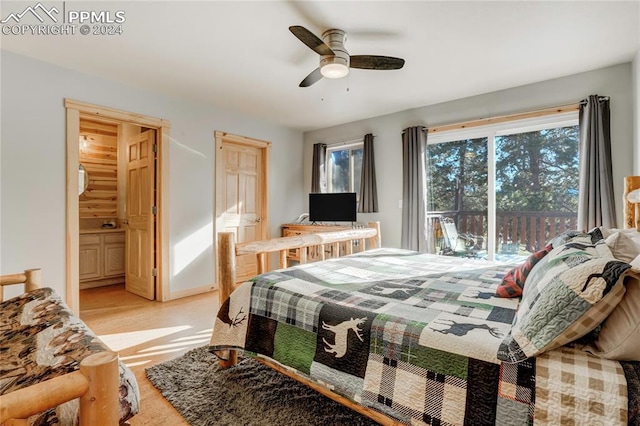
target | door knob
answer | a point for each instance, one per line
(258, 220)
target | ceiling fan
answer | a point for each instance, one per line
(335, 61)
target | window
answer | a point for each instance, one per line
(344, 168)
(511, 187)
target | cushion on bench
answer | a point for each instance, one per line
(41, 338)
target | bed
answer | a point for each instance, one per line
(409, 338)
(53, 368)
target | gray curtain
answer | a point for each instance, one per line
(318, 169)
(368, 187)
(596, 205)
(414, 236)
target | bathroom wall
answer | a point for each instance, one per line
(99, 154)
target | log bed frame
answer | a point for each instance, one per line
(228, 250)
(96, 382)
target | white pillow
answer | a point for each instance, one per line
(623, 246)
(631, 232)
(619, 337)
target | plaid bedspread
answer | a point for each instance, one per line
(415, 336)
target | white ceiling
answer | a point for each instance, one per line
(241, 56)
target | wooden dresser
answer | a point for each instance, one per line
(102, 257)
(289, 229)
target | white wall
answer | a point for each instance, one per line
(615, 82)
(32, 167)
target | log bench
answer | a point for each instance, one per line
(53, 368)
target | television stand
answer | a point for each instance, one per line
(291, 229)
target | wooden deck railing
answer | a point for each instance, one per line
(529, 230)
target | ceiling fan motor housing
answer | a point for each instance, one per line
(335, 39)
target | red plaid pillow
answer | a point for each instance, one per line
(513, 282)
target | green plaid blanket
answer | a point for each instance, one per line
(414, 336)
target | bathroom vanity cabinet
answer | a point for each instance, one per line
(102, 257)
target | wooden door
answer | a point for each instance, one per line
(240, 198)
(140, 231)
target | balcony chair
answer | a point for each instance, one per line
(455, 244)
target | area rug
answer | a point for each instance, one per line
(247, 394)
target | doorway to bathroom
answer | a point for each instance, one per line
(116, 227)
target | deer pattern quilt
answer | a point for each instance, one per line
(415, 336)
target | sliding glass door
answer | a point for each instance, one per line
(503, 190)
(536, 188)
(457, 194)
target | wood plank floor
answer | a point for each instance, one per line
(145, 333)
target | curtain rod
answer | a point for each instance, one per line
(504, 118)
(405, 130)
(600, 98)
(348, 142)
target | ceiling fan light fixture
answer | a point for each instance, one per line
(335, 66)
(335, 61)
(334, 70)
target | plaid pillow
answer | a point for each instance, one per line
(513, 282)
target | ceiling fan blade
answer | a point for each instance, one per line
(374, 62)
(312, 78)
(308, 38)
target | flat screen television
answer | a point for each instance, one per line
(334, 207)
